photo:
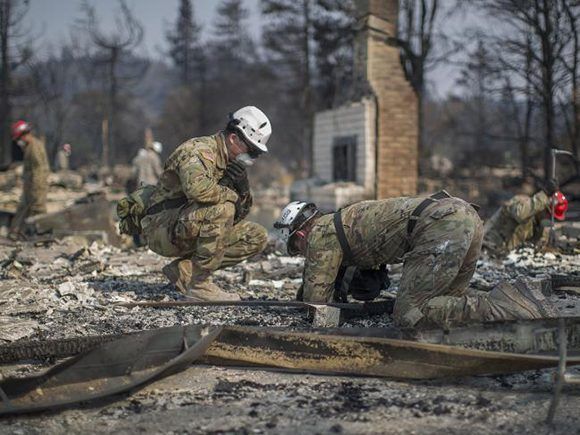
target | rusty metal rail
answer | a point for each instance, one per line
(538, 336)
(323, 315)
(27, 350)
(368, 308)
(109, 369)
(362, 355)
(127, 363)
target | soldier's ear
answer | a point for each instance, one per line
(301, 234)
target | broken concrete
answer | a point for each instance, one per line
(91, 214)
(325, 316)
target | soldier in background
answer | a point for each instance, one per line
(34, 176)
(196, 212)
(146, 171)
(438, 239)
(147, 166)
(522, 219)
(155, 155)
(62, 159)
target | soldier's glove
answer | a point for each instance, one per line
(551, 186)
(243, 206)
(236, 178)
(237, 174)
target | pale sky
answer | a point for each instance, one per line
(53, 19)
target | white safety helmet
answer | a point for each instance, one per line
(254, 126)
(292, 218)
(157, 147)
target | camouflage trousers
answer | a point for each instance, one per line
(206, 235)
(445, 247)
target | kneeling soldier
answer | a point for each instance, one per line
(438, 239)
(196, 211)
(521, 219)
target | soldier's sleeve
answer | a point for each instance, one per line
(321, 266)
(198, 182)
(522, 207)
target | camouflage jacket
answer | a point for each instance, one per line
(34, 176)
(376, 232)
(193, 170)
(516, 222)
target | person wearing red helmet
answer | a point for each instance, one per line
(560, 205)
(34, 176)
(519, 220)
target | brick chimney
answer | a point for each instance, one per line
(377, 62)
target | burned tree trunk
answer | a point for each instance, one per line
(541, 25)
(15, 50)
(416, 41)
(5, 107)
(114, 46)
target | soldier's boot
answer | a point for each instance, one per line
(522, 301)
(179, 272)
(194, 284)
(207, 290)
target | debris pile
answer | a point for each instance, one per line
(53, 289)
(70, 287)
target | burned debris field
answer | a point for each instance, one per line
(289, 217)
(73, 289)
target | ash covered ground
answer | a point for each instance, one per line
(68, 288)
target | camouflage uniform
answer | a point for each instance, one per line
(439, 258)
(516, 222)
(202, 229)
(147, 167)
(34, 183)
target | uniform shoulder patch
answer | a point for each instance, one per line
(207, 154)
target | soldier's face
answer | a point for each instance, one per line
(23, 140)
(237, 146)
(298, 243)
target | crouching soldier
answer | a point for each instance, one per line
(519, 220)
(438, 239)
(196, 210)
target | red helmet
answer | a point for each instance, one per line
(20, 128)
(560, 204)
